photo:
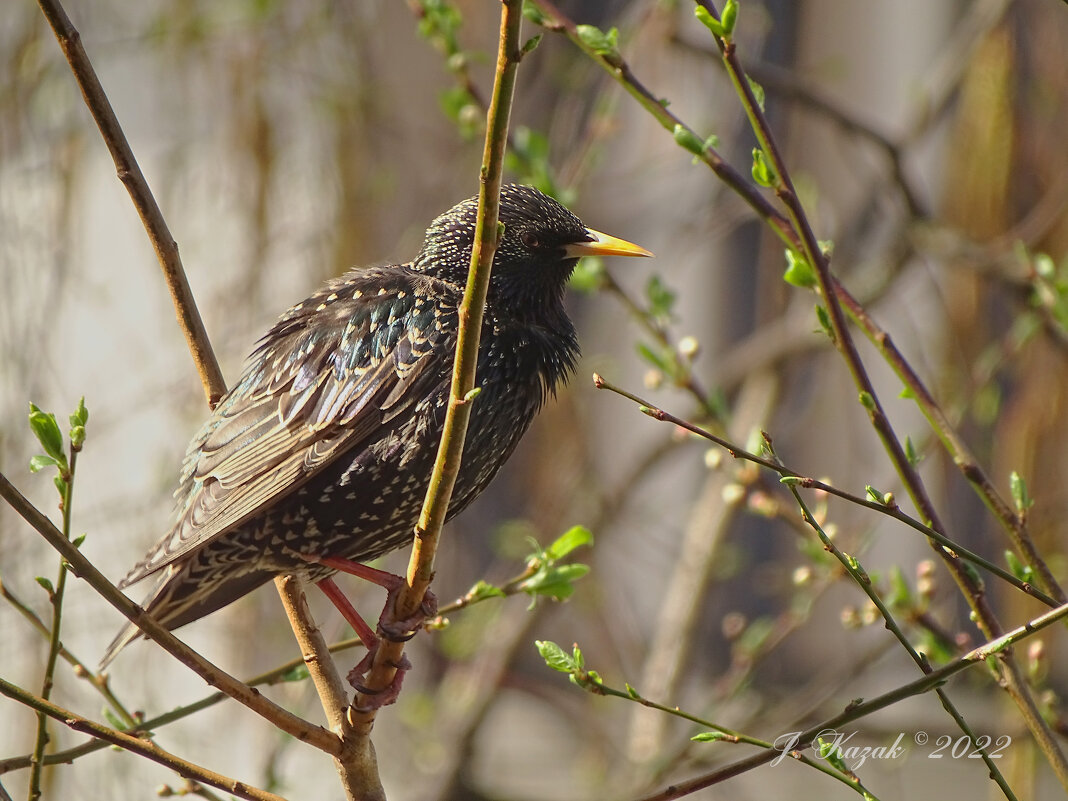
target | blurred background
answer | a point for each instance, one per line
(289, 141)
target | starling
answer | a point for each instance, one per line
(324, 447)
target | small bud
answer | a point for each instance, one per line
(925, 587)
(850, 617)
(1036, 650)
(689, 347)
(870, 614)
(470, 116)
(733, 625)
(763, 504)
(732, 493)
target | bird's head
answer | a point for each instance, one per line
(541, 244)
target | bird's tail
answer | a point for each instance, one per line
(130, 632)
(178, 599)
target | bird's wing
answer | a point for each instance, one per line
(312, 390)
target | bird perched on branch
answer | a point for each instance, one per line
(320, 455)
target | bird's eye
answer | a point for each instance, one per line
(529, 239)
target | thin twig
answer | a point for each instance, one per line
(1012, 679)
(862, 580)
(145, 748)
(929, 681)
(304, 731)
(357, 769)
(81, 670)
(888, 509)
(133, 179)
(55, 596)
(447, 463)
(1014, 523)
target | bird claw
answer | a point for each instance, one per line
(377, 698)
(403, 630)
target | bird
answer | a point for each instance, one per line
(321, 453)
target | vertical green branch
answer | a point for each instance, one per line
(447, 464)
(462, 395)
(46, 429)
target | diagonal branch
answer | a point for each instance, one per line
(797, 742)
(70, 41)
(145, 748)
(84, 569)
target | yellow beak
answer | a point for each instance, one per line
(604, 245)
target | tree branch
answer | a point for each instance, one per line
(84, 569)
(450, 450)
(145, 748)
(70, 41)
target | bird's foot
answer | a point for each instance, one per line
(376, 699)
(402, 630)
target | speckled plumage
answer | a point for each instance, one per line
(325, 445)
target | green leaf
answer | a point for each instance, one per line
(44, 582)
(574, 537)
(910, 452)
(1022, 571)
(758, 92)
(687, 139)
(1020, 495)
(829, 750)
(46, 429)
(824, 319)
(763, 172)
(454, 100)
(77, 542)
(662, 362)
(705, 18)
(555, 657)
(533, 13)
(661, 298)
(81, 415)
(601, 43)
(754, 636)
(709, 737)
(40, 462)
(115, 721)
(530, 44)
(483, 590)
(729, 18)
(973, 574)
(556, 581)
(295, 673)
(798, 271)
(440, 21)
(900, 595)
